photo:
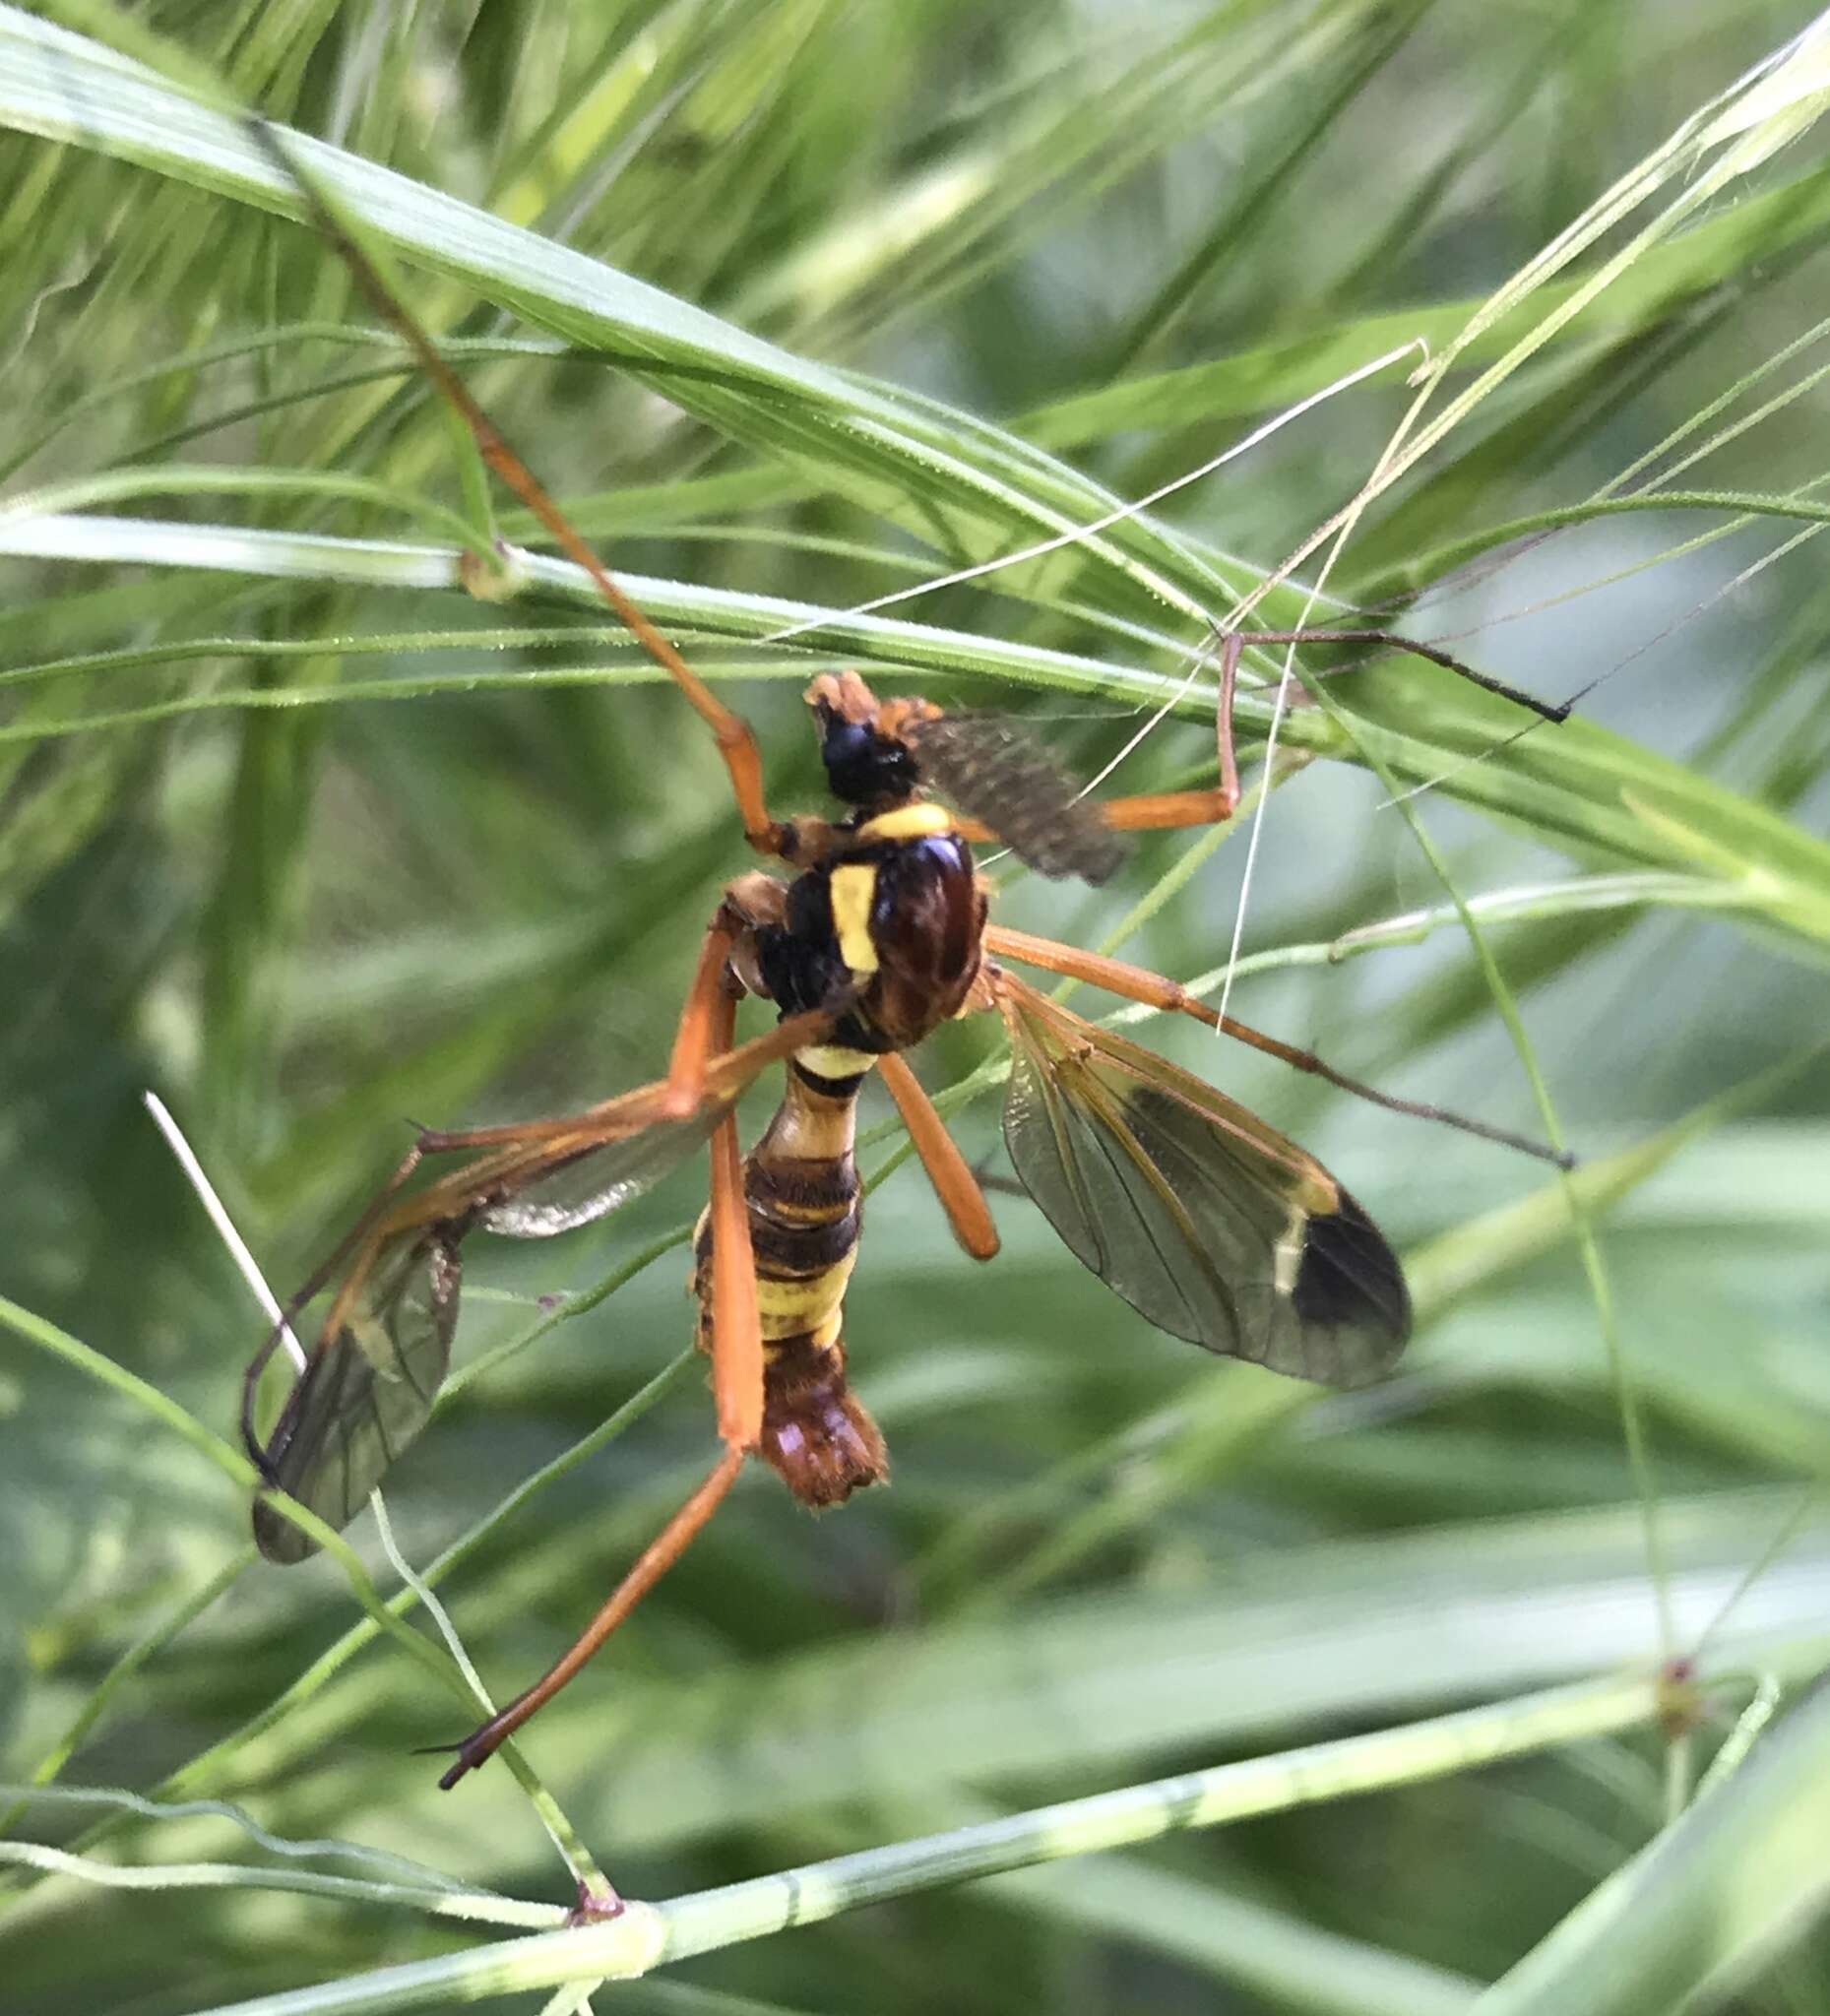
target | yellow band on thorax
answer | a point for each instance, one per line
(788, 1307)
(907, 822)
(854, 886)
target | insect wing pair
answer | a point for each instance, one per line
(370, 1384)
(1213, 1226)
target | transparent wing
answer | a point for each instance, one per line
(367, 1391)
(1210, 1224)
(369, 1387)
(990, 769)
(371, 1382)
(569, 1190)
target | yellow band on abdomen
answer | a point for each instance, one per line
(834, 1060)
(787, 1308)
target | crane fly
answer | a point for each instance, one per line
(1211, 1223)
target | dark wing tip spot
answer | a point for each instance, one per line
(1350, 1279)
(278, 1538)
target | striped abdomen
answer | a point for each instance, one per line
(805, 1211)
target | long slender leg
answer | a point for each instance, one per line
(519, 1141)
(630, 1111)
(1160, 810)
(736, 1320)
(752, 900)
(656, 1560)
(520, 1149)
(736, 1323)
(735, 743)
(953, 1182)
(1138, 984)
(1546, 710)
(738, 1382)
(692, 1045)
(1156, 810)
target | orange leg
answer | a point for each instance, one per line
(626, 1114)
(738, 1383)
(1158, 810)
(735, 743)
(1138, 984)
(953, 1182)
(736, 1324)
(1155, 810)
(657, 1559)
(520, 1149)
(752, 900)
(692, 1045)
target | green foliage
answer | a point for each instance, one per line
(796, 306)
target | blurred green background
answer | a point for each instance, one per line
(1125, 235)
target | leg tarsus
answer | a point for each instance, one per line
(656, 1560)
(1546, 710)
